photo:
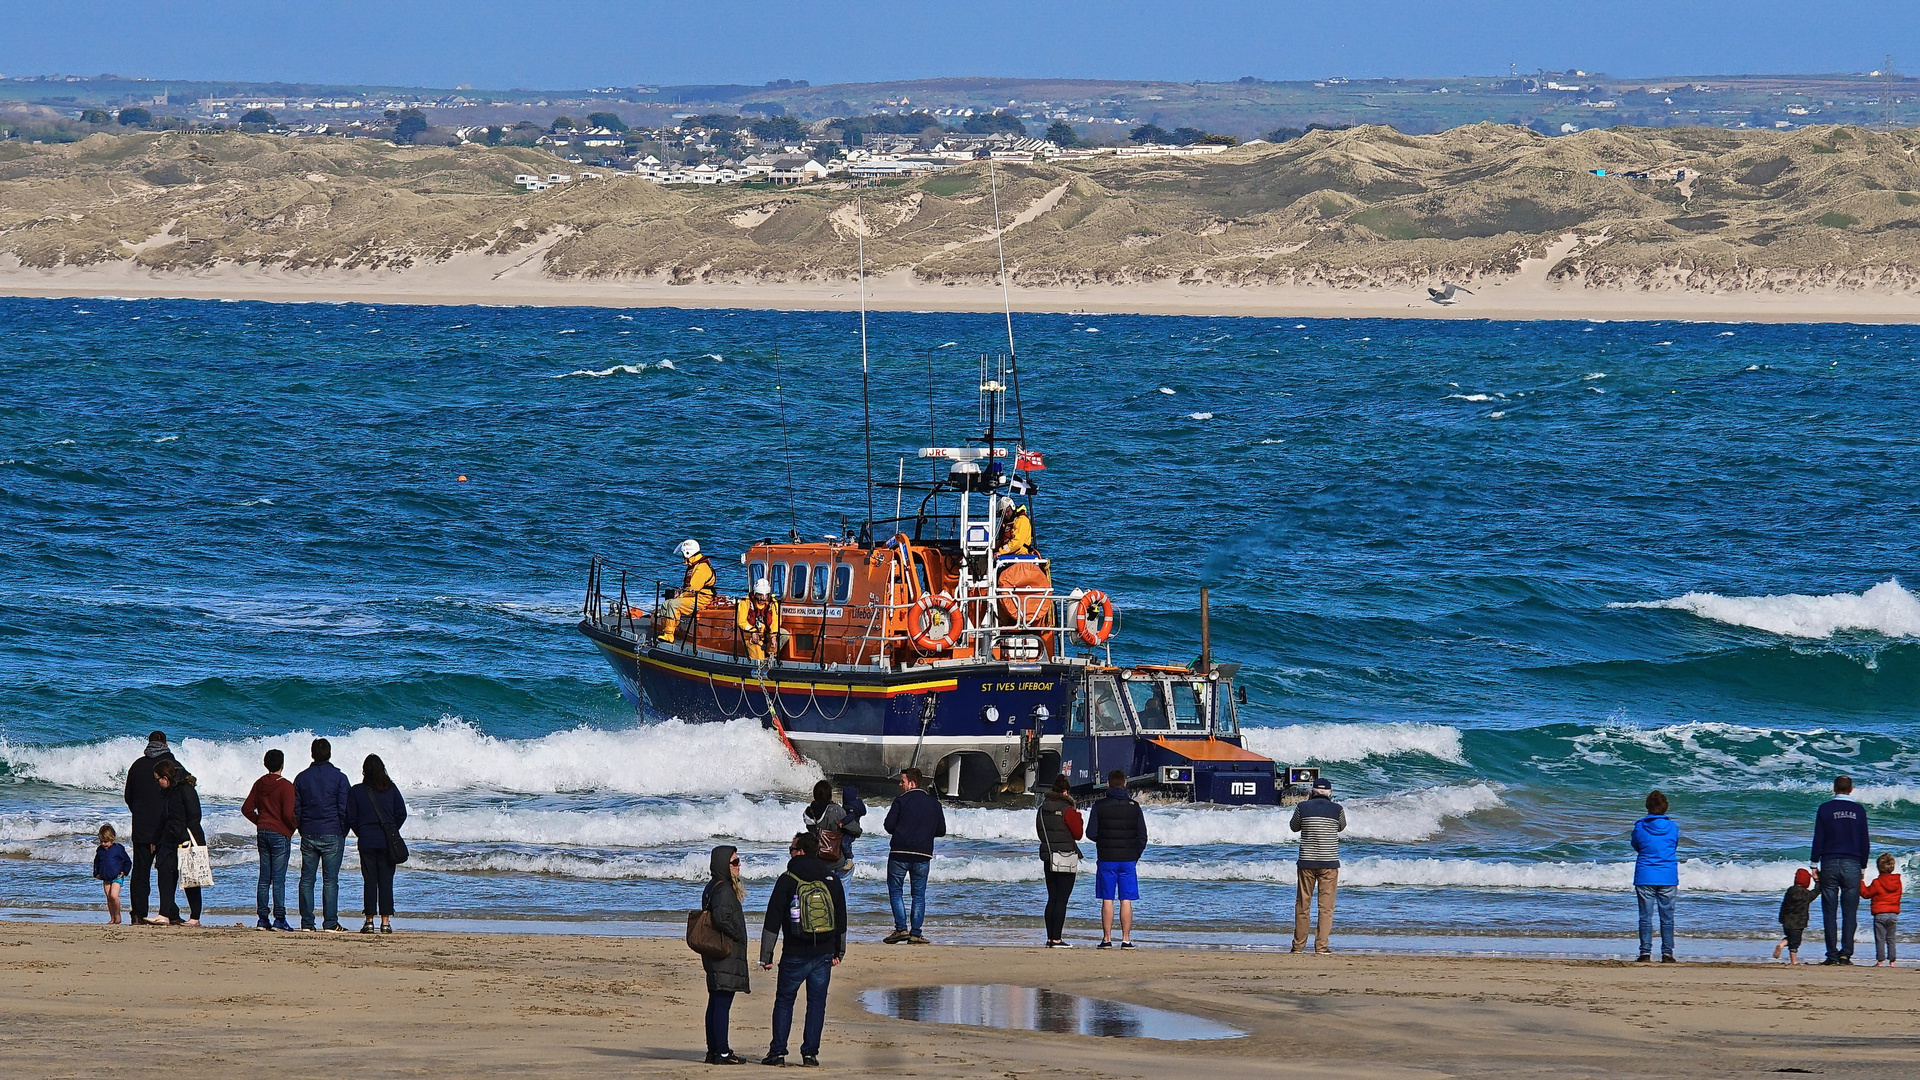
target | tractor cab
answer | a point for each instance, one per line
(1173, 730)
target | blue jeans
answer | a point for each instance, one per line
(275, 851)
(1840, 903)
(816, 972)
(898, 870)
(316, 852)
(1652, 897)
(719, 1010)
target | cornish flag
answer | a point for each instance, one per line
(1029, 461)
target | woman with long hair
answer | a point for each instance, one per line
(723, 901)
(181, 823)
(374, 805)
(1060, 828)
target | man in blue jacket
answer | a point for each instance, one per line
(914, 821)
(1656, 875)
(1840, 848)
(320, 811)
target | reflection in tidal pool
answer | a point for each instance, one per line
(1029, 1008)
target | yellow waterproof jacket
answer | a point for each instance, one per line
(747, 613)
(1019, 536)
(699, 580)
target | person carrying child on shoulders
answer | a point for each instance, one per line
(111, 865)
(1793, 914)
(1883, 893)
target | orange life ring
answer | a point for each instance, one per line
(1095, 628)
(935, 623)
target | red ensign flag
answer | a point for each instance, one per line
(1029, 461)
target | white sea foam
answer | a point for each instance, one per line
(1725, 333)
(617, 369)
(1887, 609)
(657, 759)
(1496, 415)
(1299, 744)
(166, 438)
(666, 365)
(1091, 330)
(1199, 416)
(1168, 390)
(1470, 397)
(1593, 375)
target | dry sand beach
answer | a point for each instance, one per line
(84, 1000)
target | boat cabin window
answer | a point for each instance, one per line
(1188, 714)
(1226, 714)
(755, 571)
(797, 582)
(820, 582)
(842, 584)
(1148, 705)
(1109, 718)
(778, 580)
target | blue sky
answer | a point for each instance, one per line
(575, 43)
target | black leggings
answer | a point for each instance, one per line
(166, 864)
(376, 881)
(1059, 890)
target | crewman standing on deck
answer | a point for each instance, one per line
(695, 592)
(1016, 535)
(758, 617)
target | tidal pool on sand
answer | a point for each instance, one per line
(1031, 1008)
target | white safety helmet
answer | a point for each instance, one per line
(762, 587)
(688, 548)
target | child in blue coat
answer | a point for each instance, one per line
(111, 864)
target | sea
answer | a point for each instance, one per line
(1496, 580)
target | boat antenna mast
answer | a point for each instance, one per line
(786, 448)
(866, 403)
(1006, 298)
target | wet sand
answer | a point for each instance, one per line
(93, 1000)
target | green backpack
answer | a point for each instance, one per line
(814, 901)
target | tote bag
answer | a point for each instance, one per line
(705, 938)
(1059, 862)
(196, 869)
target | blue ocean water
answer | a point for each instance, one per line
(1497, 579)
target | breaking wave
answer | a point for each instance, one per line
(1886, 609)
(1301, 743)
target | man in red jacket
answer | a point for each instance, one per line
(270, 806)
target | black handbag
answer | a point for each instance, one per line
(396, 846)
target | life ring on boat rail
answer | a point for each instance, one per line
(1095, 617)
(935, 623)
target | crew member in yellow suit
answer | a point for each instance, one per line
(1016, 534)
(696, 591)
(758, 618)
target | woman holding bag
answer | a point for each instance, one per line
(180, 825)
(727, 975)
(375, 812)
(1060, 826)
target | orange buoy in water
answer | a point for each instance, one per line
(463, 478)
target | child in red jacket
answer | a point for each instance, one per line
(1884, 894)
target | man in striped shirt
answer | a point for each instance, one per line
(1319, 821)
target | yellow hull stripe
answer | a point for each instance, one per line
(797, 687)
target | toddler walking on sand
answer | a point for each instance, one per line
(111, 864)
(1884, 895)
(1793, 914)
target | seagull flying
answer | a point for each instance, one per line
(1444, 294)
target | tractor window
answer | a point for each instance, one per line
(1226, 714)
(1148, 704)
(820, 582)
(797, 582)
(842, 584)
(778, 580)
(1187, 712)
(1109, 718)
(1077, 719)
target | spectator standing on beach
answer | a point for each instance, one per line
(828, 820)
(146, 801)
(851, 828)
(1319, 821)
(1883, 896)
(374, 807)
(182, 824)
(1118, 829)
(1840, 850)
(914, 821)
(320, 794)
(1656, 875)
(726, 976)
(110, 865)
(1060, 827)
(1793, 914)
(809, 907)
(270, 806)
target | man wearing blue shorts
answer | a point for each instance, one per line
(1118, 830)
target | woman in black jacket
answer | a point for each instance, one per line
(181, 821)
(1058, 823)
(367, 802)
(728, 976)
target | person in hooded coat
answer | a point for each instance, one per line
(1656, 875)
(182, 823)
(147, 805)
(727, 976)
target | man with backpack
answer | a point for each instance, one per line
(810, 908)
